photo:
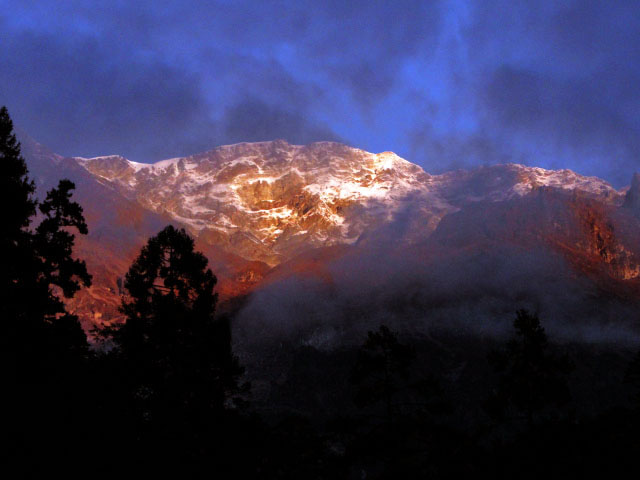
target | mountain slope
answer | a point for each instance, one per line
(269, 201)
(303, 209)
(118, 228)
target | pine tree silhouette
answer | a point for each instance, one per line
(531, 376)
(17, 193)
(176, 357)
(381, 367)
(44, 348)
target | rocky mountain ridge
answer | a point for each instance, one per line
(269, 201)
(265, 212)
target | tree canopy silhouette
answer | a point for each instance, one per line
(38, 266)
(531, 376)
(381, 367)
(17, 192)
(176, 356)
(43, 346)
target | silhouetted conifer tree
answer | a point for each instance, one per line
(176, 357)
(381, 369)
(37, 265)
(532, 377)
(412, 440)
(17, 197)
(43, 346)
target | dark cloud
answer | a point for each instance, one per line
(87, 97)
(369, 42)
(254, 121)
(556, 116)
(556, 81)
(548, 83)
(84, 98)
(441, 153)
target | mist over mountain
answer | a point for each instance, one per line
(320, 242)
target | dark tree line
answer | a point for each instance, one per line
(176, 373)
(164, 392)
(44, 349)
(164, 388)
(532, 377)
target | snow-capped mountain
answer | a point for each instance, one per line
(269, 201)
(263, 212)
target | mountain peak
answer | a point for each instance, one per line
(272, 201)
(266, 200)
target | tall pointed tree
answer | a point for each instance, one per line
(532, 377)
(381, 370)
(176, 354)
(38, 266)
(16, 191)
(43, 347)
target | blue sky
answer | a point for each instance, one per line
(445, 84)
